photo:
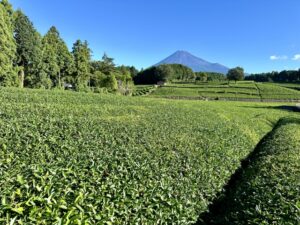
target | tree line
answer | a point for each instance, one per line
(209, 76)
(175, 72)
(291, 76)
(28, 59)
(164, 73)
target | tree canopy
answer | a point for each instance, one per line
(236, 74)
(166, 72)
(209, 76)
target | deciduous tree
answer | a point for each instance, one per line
(236, 74)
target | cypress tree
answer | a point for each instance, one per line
(57, 61)
(65, 63)
(28, 48)
(7, 45)
(82, 57)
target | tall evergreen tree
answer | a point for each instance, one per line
(8, 75)
(33, 74)
(108, 65)
(65, 63)
(28, 48)
(48, 68)
(82, 57)
(57, 61)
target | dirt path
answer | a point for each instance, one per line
(258, 91)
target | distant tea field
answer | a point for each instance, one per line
(244, 90)
(82, 158)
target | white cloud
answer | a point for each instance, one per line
(279, 57)
(296, 57)
(273, 57)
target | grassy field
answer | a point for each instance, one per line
(231, 91)
(79, 158)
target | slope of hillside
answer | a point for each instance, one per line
(195, 63)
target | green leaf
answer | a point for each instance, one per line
(18, 210)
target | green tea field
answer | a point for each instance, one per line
(267, 190)
(82, 158)
(149, 112)
(250, 91)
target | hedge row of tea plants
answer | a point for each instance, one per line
(273, 91)
(143, 90)
(268, 191)
(83, 158)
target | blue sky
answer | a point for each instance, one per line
(259, 35)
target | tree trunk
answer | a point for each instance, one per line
(21, 77)
(59, 81)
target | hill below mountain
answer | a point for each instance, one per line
(195, 63)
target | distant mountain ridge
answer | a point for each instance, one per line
(195, 63)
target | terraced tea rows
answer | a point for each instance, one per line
(143, 90)
(75, 158)
(232, 91)
(271, 91)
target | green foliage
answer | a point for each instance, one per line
(166, 72)
(104, 74)
(43, 81)
(209, 76)
(133, 71)
(292, 76)
(48, 69)
(82, 158)
(181, 72)
(236, 74)
(82, 57)
(65, 63)
(8, 75)
(97, 78)
(107, 65)
(101, 90)
(163, 72)
(57, 61)
(110, 82)
(28, 48)
(267, 191)
(201, 76)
